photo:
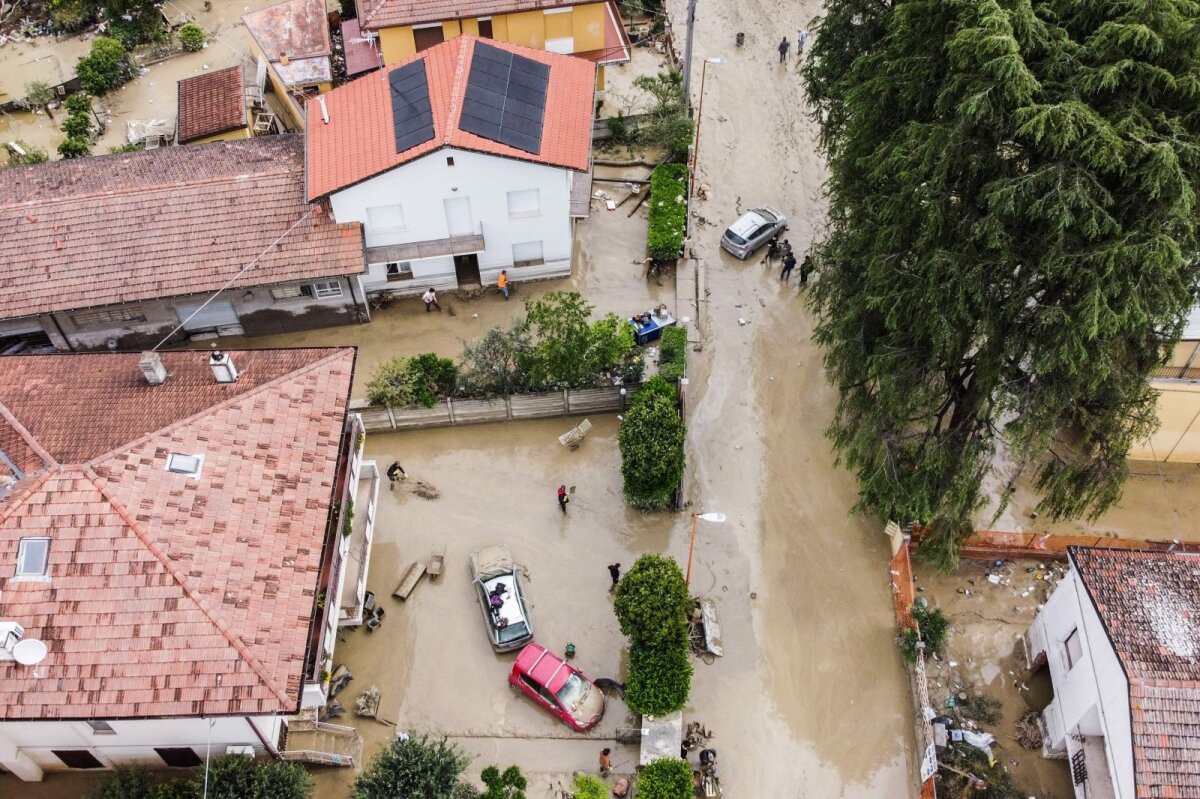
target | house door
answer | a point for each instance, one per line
(424, 38)
(466, 270)
(458, 216)
(216, 314)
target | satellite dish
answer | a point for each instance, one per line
(30, 651)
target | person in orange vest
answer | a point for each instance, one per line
(502, 283)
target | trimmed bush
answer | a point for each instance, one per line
(105, 68)
(668, 778)
(668, 211)
(651, 601)
(651, 441)
(672, 354)
(935, 629)
(192, 37)
(660, 678)
(651, 607)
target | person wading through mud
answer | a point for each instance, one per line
(563, 499)
(502, 283)
(783, 50)
(614, 571)
(430, 298)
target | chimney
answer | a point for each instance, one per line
(324, 110)
(283, 59)
(152, 368)
(222, 367)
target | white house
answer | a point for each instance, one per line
(178, 547)
(1121, 636)
(468, 158)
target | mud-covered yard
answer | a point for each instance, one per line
(985, 657)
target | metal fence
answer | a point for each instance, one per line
(541, 405)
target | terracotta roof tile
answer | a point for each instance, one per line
(211, 103)
(170, 595)
(122, 228)
(1149, 603)
(359, 143)
(388, 13)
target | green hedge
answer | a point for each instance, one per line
(668, 211)
(660, 678)
(672, 357)
(667, 778)
(651, 442)
(651, 606)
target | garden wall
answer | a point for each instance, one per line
(541, 405)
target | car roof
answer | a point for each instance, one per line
(747, 223)
(545, 667)
(511, 609)
(490, 561)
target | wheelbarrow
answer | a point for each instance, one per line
(436, 561)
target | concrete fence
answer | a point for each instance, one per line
(541, 405)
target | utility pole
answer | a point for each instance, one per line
(687, 54)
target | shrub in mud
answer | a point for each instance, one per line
(105, 68)
(668, 211)
(191, 36)
(934, 630)
(666, 778)
(651, 442)
(651, 607)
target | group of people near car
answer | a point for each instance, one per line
(775, 250)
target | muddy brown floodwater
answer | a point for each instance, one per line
(811, 699)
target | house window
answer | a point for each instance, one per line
(110, 316)
(77, 758)
(523, 203)
(185, 464)
(179, 757)
(386, 218)
(528, 253)
(401, 270)
(289, 292)
(449, 160)
(33, 557)
(326, 288)
(485, 28)
(101, 728)
(1074, 649)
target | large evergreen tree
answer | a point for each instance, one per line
(1012, 243)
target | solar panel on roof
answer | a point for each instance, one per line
(412, 115)
(506, 98)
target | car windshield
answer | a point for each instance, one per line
(512, 632)
(574, 692)
(735, 238)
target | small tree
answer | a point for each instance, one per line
(667, 125)
(651, 601)
(667, 778)
(125, 782)
(509, 784)
(492, 364)
(560, 322)
(589, 786)
(74, 148)
(651, 440)
(934, 630)
(70, 15)
(105, 68)
(32, 155)
(417, 767)
(192, 37)
(38, 94)
(610, 340)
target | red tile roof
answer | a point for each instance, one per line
(361, 55)
(375, 14)
(171, 596)
(359, 143)
(211, 104)
(1149, 603)
(123, 228)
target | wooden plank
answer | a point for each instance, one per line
(412, 575)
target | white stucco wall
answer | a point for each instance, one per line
(131, 742)
(1093, 695)
(421, 187)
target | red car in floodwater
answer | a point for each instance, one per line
(555, 685)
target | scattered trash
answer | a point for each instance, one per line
(742, 322)
(994, 579)
(610, 205)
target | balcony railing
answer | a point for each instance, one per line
(431, 248)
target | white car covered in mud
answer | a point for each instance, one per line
(498, 588)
